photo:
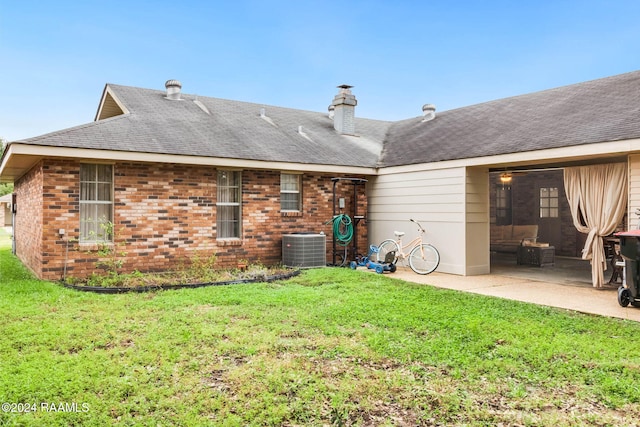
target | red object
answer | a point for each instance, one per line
(630, 233)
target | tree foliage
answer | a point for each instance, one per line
(4, 188)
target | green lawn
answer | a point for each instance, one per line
(329, 347)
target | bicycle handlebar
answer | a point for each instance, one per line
(418, 224)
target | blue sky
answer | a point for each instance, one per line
(398, 55)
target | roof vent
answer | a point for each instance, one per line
(173, 89)
(428, 112)
(201, 106)
(304, 134)
(263, 116)
(332, 111)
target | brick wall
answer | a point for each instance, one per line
(165, 215)
(28, 224)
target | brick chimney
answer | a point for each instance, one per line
(344, 104)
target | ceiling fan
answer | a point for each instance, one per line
(507, 176)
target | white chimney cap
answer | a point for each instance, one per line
(345, 88)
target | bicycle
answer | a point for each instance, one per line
(423, 257)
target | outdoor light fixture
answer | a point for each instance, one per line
(505, 178)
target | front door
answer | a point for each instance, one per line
(549, 225)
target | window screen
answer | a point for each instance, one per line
(229, 204)
(290, 199)
(96, 202)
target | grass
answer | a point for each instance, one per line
(329, 347)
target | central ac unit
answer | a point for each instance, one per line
(304, 250)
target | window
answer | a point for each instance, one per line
(229, 204)
(503, 205)
(549, 202)
(96, 202)
(290, 199)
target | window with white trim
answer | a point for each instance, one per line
(96, 203)
(503, 205)
(290, 185)
(229, 204)
(548, 202)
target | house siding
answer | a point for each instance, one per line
(633, 221)
(165, 215)
(7, 215)
(436, 198)
(477, 205)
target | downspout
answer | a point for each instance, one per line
(66, 260)
(14, 197)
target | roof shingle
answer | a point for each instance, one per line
(233, 129)
(596, 111)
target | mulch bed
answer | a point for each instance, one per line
(150, 288)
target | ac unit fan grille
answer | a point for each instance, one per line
(304, 250)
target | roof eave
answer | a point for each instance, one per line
(23, 157)
(561, 155)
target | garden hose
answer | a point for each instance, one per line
(342, 229)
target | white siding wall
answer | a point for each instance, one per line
(451, 204)
(634, 191)
(478, 259)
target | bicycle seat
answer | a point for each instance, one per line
(399, 233)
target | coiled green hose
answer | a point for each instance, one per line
(342, 229)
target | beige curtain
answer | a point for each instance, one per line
(597, 197)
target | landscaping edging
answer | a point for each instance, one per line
(122, 290)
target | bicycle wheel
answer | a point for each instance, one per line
(424, 259)
(385, 247)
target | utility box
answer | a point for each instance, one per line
(304, 250)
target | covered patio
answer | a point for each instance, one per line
(574, 209)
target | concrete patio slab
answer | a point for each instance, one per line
(582, 299)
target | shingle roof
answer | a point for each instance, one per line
(601, 110)
(233, 129)
(596, 111)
